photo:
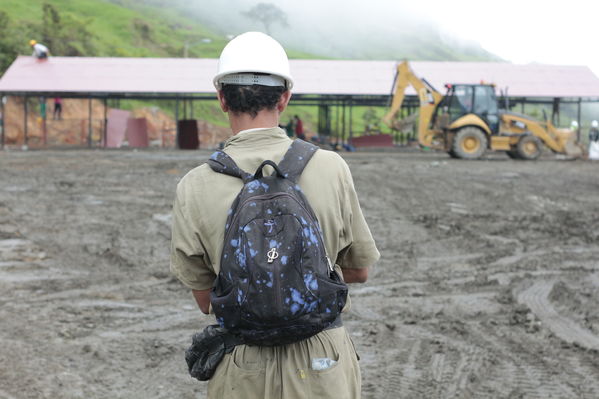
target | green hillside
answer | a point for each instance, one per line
(104, 28)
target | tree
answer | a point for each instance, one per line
(9, 43)
(65, 34)
(268, 14)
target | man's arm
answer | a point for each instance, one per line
(355, 275)
(202, 297)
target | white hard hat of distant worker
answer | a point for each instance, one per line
(594, 124)
(253, 58)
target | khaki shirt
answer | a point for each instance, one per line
(204, 197)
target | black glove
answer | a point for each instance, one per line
(207, 350)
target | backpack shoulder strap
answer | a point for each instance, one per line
(296, 158)
(222, 163)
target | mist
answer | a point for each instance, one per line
(353, 29)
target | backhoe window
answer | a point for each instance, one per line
(485, 102)
(461, 101)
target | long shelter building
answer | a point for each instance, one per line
(327, 84)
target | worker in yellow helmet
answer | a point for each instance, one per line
(40, 51)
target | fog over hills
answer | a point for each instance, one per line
(351, 29)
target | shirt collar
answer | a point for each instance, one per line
(256, 137)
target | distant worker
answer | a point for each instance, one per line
(594, 141)
(594, 132)
(57, 108)
(40, 51)
(290, 128)
(299, 128)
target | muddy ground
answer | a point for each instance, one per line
(487, 287)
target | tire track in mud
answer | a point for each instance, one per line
(536, 297)
(457, 377)
(400, 372)
(6, 395)
(427, 365)
(427, 368)
(105, 291)
(526, 374)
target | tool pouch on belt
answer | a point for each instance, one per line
(208, 349)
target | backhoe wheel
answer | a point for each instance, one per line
(469, 143)
(529, 147)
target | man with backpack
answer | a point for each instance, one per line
(262, 234)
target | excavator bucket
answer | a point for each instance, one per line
(566, 139)
(573, 149)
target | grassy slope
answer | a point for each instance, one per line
(113, 26)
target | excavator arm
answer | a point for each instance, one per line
(428, 96)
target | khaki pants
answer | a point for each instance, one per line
(285, 372)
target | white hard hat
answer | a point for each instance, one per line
(253, 58)
(574, 124)
(595, 124)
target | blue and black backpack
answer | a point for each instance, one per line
(276, 284)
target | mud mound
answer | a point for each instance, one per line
(580, 302)
(72, 128)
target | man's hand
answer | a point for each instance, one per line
(202, 297)
(355, 275)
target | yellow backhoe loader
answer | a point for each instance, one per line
(467, 121)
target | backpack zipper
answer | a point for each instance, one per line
(264, 197)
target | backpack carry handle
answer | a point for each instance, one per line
(259, 174)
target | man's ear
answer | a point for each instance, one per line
(221, 100)
(283, 101)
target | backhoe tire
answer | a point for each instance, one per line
(469, 143)
(529, 147)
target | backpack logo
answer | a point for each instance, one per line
(272, 255)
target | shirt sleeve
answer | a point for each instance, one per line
(188, 259)
(358, 247)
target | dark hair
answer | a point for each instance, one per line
(251, 99)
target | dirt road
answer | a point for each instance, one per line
(488, 285)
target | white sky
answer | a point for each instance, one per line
(523, 31)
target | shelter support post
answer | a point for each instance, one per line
(555, 112)
(351, 120)
(105, 127)
(578, 118)
(2, 121)
(343, 124)
(25, 138)
(177, 123)
(337, 123)
(44, 121)
(324, 120)
(89, 123)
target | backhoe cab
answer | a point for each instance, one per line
(467, 121)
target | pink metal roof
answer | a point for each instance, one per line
(82, 75)
(109, 75)
(530, 80)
